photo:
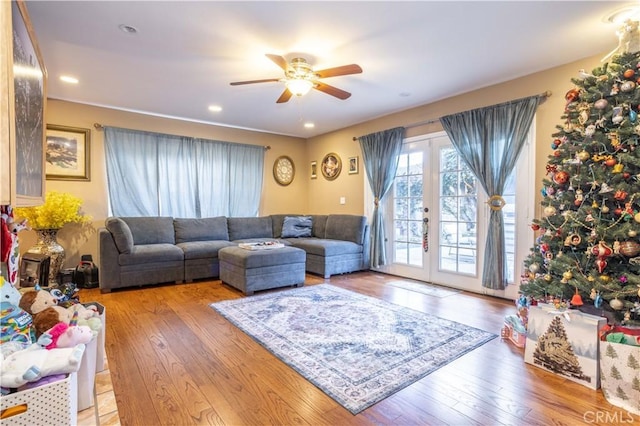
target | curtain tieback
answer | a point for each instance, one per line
(376, 201)
(496, 202)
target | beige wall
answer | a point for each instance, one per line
(304, 195)
(323, 195)
(276, 199)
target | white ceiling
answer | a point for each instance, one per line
(185, 54)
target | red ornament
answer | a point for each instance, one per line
(535, 226)
(620, 195)
(602, 250)
(629, 73)
(601, 264)
(572, 95)
(576, 300)
(626, 175)
(561, 178)
(611, 162)
(618, 211)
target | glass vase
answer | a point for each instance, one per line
(48, 244)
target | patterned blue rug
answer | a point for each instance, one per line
(357, 349)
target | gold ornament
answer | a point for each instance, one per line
(616, 304)
(567, 275)
(637, 217)
(605, 278)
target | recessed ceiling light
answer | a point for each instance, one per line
(309, 125)
(128, 29)
(69, 79)
(404, 94)
(215, 108)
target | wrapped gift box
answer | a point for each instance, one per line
(565, 343)
(620, 372)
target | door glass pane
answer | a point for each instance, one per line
(458, 215)
(408, 213)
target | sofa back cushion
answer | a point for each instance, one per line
(151, 230)
(319, 225)
(242, 228)
(296, 226)
(205, 229)
(346, 227)
(121, 234)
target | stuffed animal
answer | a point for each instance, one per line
(33, 363)
(44, 309)
(66, 336)
(45, 320)
(8, 293)
(628, 39)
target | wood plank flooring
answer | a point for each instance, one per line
(175, 361)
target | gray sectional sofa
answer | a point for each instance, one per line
(137, 251)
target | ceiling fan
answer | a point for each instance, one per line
(299, 78)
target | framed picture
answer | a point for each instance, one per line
(314, 170)
(68, 150)
(331, 166)
(29, 97)
(353, 165)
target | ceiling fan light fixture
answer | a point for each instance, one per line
(299, 87)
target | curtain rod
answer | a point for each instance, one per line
(99, 126)
(545, 94)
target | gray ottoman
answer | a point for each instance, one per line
(254, 270)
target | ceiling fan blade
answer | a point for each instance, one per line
(286, 95)
(278, 60)
(343, 70)
(266, 80)
(330, 90)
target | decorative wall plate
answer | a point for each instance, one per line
(284, 170)
(331, 166)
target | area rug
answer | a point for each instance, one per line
(424, 288)
(355, 348)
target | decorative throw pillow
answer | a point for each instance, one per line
(121, 234)
(296, 226)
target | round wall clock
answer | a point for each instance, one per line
(284, 170)
(331, 166)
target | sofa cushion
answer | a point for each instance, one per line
(121, 234)
(346, 227)
(319, 225)
(241, 228)
(296, 226)
(203, 249)
(205, 229)
(149, 253)
(326, 248)
(151, 230)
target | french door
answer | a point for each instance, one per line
(436, 215)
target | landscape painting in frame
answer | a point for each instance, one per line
(29, 78)
(67, 153)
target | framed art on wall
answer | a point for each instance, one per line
(29, 95)
(68, 153)
(331, 166)
(353, 165)
(314, 169)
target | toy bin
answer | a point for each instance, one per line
(93, 361)
(50, 404)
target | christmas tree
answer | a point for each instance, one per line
(587, 245)
(554, 352)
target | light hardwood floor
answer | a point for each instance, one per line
(175, 361)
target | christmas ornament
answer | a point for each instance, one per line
(597, 302)
(617, 168)
(547, 277)
(535, 226)
(576, 300)
(617, 115)
(611, 162)
(605, 209)
(632, 233)
(601, 264)
(567, 275)
(561, 177)
(628, 86)
(583, 155)
(629, 248)
(602, 250)
(620, 195)
(534, 267)
(616, 304)
(637, 217)
(601, 103)
(629, 73)
(571, 96)
(549, 211)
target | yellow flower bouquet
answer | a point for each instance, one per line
(59, 208)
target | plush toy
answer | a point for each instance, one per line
(44, 309)
(8, 293)
(45, 320)
(33, 363)
(66, 336)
